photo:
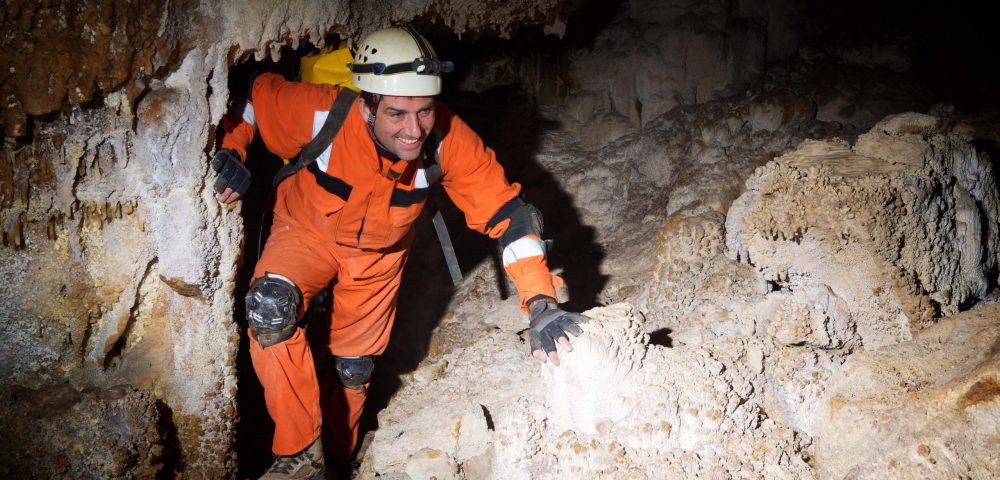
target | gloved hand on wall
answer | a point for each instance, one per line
(234, 178)
(549, 325)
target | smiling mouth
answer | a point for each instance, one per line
(408, 141)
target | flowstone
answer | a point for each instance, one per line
(889, 416)
(617, 407)
(899, 229)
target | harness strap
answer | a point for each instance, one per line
(334, 120)
(400, 197)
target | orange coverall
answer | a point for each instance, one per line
(350, 216)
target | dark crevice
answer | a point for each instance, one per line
(114, 356)
(172, 456)
(661, 337)
(489, 418)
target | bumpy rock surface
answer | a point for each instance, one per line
(929, 408)
(753, 370)
(616, 408)
(60, 432)
(76, 51)
(894, 227)
(130, 258)
(651, 57)
(118, 265)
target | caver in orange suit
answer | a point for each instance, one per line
(349, 216)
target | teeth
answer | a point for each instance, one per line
(407, 141)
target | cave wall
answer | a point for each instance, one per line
(619, 67)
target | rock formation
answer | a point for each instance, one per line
(773, 379)
(892, 227)
(923, 409)
(60, 432)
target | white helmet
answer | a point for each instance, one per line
(397, 61)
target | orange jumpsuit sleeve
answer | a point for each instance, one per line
(237, 133)
(476, 183)
(472, 177)
(531, 276)
(282, 111)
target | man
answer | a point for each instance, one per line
(349, 216)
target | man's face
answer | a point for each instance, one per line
(403, 123)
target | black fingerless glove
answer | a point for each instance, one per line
(232, 173)
(549, 323)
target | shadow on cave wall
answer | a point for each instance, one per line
(508, 121)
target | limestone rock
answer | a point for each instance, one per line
(616, 408)
(781, 108)
(57, 431)
(464, 435)
(695, 59)
(815, 316)
(118, 263)
(889, 416)
(693, 292)
(428, 464)
(891, 227)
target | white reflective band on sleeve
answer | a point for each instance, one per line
(248, 115)
(522, 248)
(323, 160)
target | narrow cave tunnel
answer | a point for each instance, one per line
(783, 219)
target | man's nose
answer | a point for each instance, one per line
(412, 126)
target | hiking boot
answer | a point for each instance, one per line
(305, 465)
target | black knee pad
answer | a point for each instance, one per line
(354, 372)
(273, 304)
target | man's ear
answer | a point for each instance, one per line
(363, 108)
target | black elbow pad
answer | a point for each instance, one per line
(525, 220)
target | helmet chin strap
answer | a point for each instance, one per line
(371, 101)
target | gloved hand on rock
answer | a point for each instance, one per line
(234, 178)
(549, 325)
